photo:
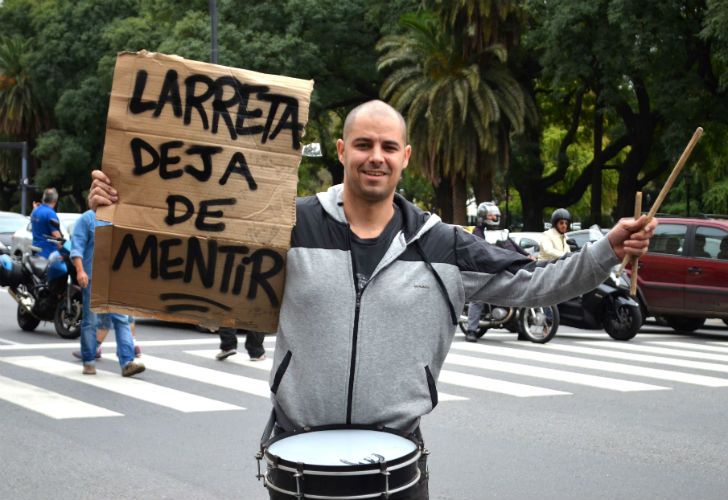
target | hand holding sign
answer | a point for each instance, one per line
(204, 159)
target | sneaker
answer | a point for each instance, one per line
(137, 351)
(89, 369)
(132, 368)
(77, 354)
(471, 337)
(225, 354)
(258, 358)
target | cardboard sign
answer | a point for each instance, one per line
(205, 160)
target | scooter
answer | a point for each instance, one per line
(45, 289)
(537, 324)
(609, 307)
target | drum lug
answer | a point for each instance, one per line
(258, 458)
(383, 470)
(299, 479)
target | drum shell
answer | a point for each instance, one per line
(345, 480)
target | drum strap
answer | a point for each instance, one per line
(268, 429)
(263, 440)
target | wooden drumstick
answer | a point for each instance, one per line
(635, 260)
(670, 181)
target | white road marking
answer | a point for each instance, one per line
(643, 358)
(612, 384)
(680, 353)
(8, 342)
(241, 358)
(495, 385)
(131, 387)
(111, 346)
(692, 345)
(108, 345)
(49, 403)
(267, 364)
(686, 378)
(239, 383)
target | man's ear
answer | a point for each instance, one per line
(407, 154)
(340, 149)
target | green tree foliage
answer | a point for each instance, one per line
(455, 106)
(72, 45)
(638, 75)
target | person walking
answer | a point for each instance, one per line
(229, 344)
(374, 286)
(101, 334)
(82, 257)
(44, 223)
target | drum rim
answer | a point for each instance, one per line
(269, 484)
(343, 469)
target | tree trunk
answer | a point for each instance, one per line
(459, 200)
(443, 199)
(483, 186)
(596, 183)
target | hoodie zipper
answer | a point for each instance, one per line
(355, 333)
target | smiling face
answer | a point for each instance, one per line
(373, 153)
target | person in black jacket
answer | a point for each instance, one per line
(487, 219)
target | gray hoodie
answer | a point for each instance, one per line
(374, 357)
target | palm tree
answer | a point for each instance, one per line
(22, 114)
(476, 25)
(455, 106)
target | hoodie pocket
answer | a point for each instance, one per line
(431, 386)
(281, 371)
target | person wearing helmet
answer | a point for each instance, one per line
(487, 219)
(553, 244)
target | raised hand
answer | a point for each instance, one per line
(632, 236)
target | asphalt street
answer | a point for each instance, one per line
(581, 417)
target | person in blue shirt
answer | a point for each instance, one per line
(44, 223)
(82, 257)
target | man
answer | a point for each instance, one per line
(229, 344)
(553, 243)
(374, 286)
(487, 219)
(82, 257)
(44, 223)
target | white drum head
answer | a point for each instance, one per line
(341, 447)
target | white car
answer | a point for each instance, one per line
(23, 238)
(529, 241)
(9, 223)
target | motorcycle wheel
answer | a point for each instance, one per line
(68, 323)
(463, 324)
(684, 324)
(622, 322)
(26, 321)
(538, 324)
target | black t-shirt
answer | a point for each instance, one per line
(367, 252)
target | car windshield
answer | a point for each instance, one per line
(11, 223)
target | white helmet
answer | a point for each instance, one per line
(488, 208)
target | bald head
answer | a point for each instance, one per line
(374, 109)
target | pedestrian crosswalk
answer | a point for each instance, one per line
(195, 382)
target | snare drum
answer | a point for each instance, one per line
(341, 463)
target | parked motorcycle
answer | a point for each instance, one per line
(537, 324)
(45, 289)
(609, 306)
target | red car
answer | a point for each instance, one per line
(683, 278)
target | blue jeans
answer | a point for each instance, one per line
(474, 311)
(89, 323)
